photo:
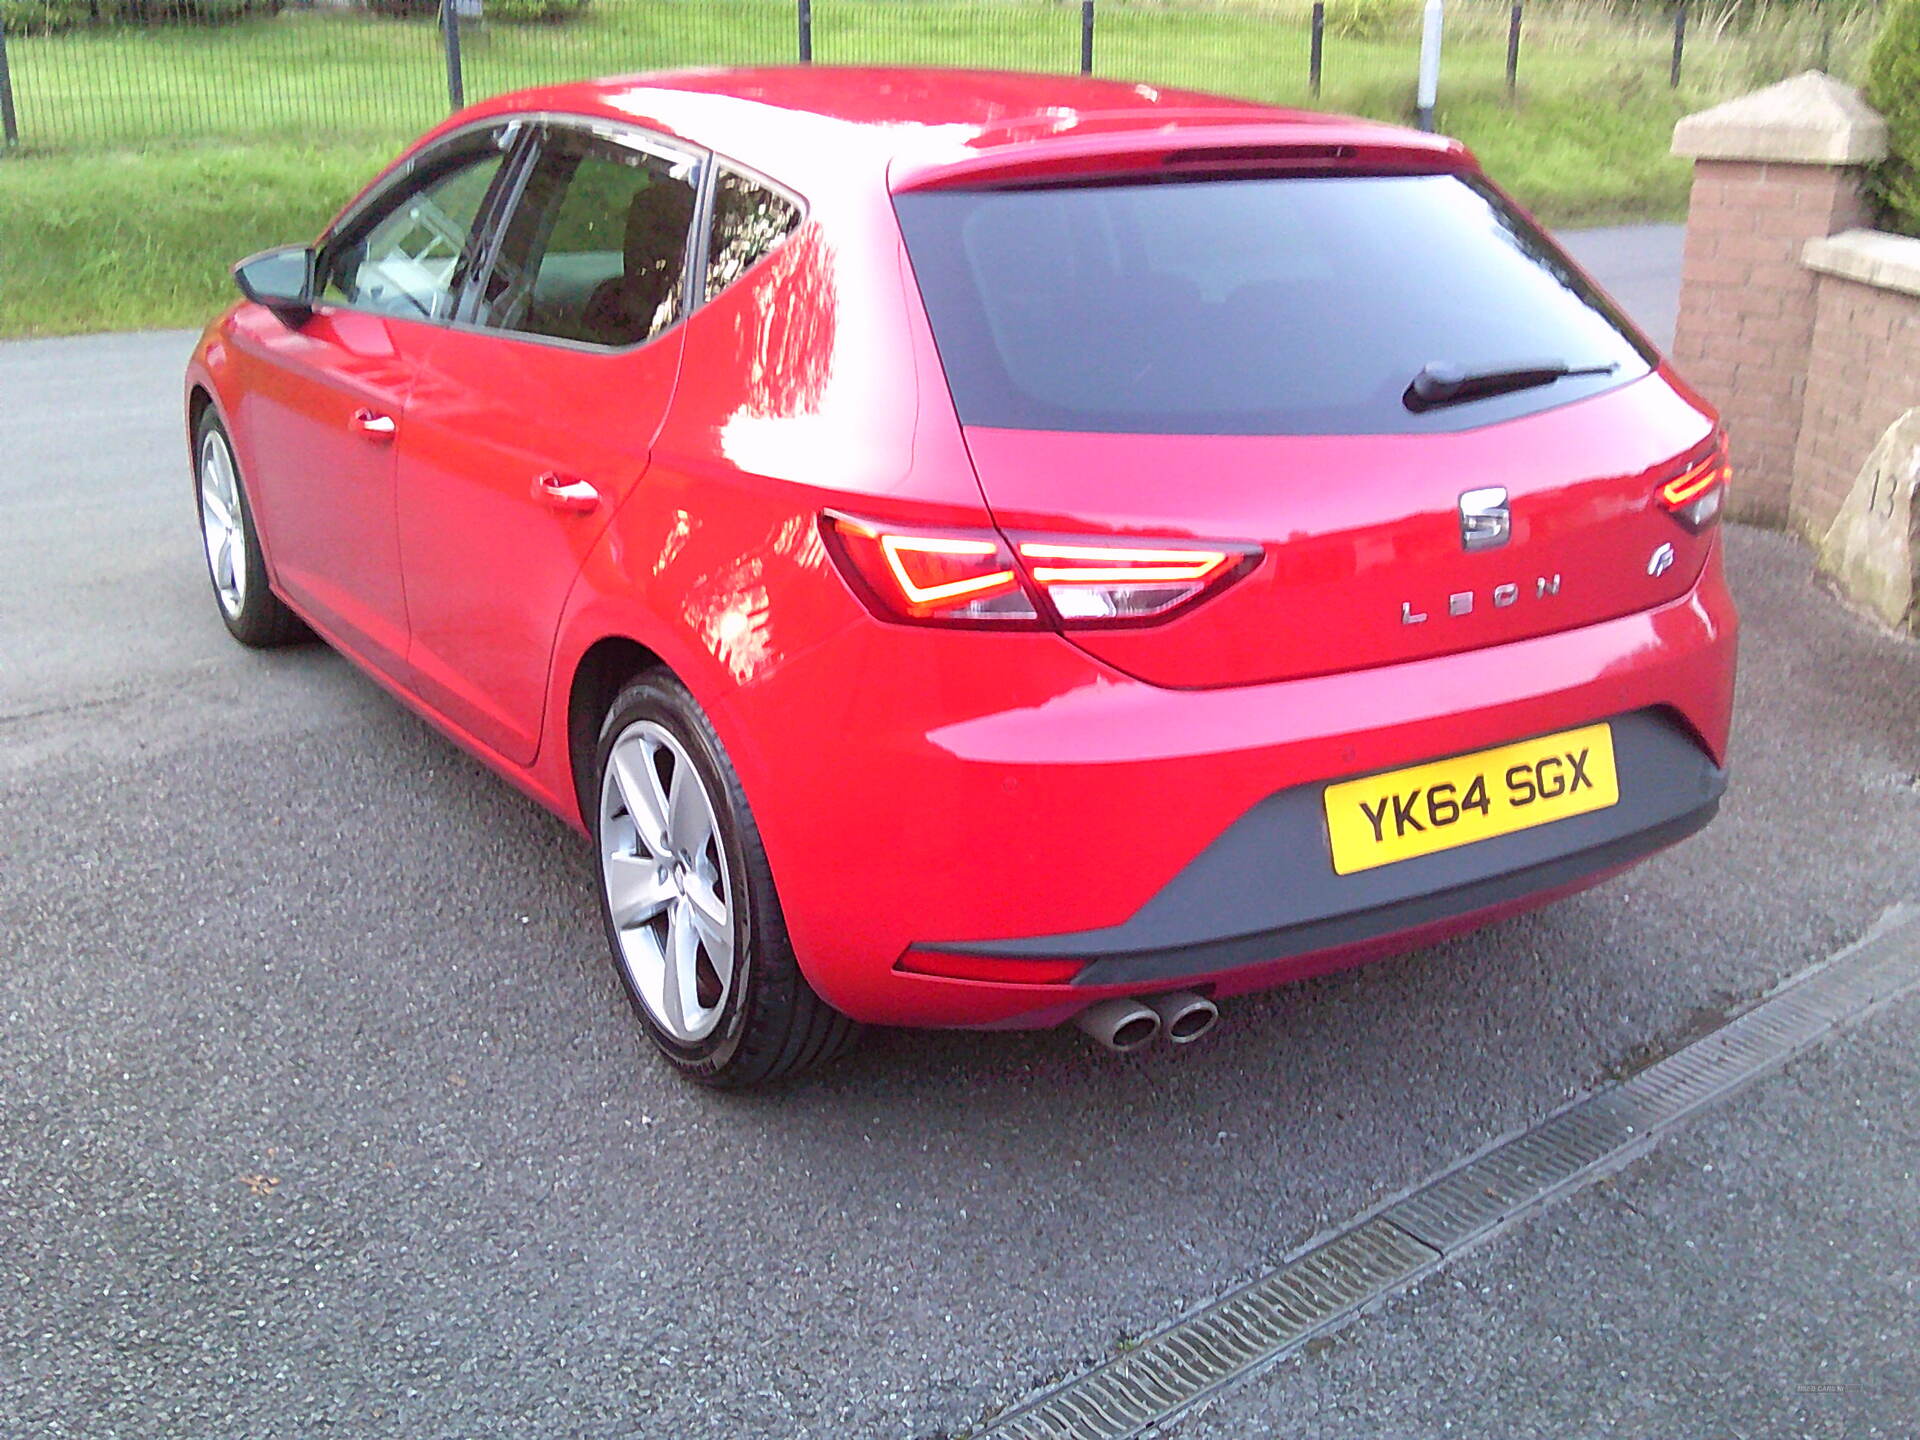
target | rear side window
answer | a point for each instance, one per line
(596, 249)
(1288, 306)
(749, 219)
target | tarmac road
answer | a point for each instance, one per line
(321, 1112)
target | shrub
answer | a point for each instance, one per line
(41, 17)
(1370, 19)
(214, 12)
(530, 12)
(1893, 88)
(513, 12)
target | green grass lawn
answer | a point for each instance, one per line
(128, 241)
(109, 219)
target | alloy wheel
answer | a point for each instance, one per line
(223, 523)
(663, 866)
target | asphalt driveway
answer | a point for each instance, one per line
(321, 1112)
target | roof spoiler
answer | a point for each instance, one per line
(1214, 149)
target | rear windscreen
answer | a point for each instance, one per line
(1289, 306)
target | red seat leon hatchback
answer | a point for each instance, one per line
(984, 550)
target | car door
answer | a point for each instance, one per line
(325, 403)
(534, 418)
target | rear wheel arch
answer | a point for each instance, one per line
(614, 660)
(606, 668)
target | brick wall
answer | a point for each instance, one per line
(1863, 374)
(1747, 311)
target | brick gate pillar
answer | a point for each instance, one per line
(1771, 171)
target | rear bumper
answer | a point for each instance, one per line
(1265, 890)
(1007, 799)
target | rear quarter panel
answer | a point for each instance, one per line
(810, 383)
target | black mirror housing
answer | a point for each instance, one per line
(281, 280)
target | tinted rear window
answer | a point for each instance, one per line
(1296, 306)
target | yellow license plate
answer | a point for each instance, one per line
(1446, 803)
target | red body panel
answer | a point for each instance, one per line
(1362, 533)
(336, 550)
(911, 784)
(1049, 794)
(488, 559)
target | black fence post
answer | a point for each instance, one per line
(806, 31)
(1086, 37)
(450, 42)
(1319, 42)
(1679, 42)
(1513, 48)
(9, 123)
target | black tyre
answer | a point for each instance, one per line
(254, 615)
(688, 902)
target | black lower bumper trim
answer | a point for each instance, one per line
(1265, 889)
(1180, 961)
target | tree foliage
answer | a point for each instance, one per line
(1371, 19)
(40, 17)
(531, 11)
(1893, 88)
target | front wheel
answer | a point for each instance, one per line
(688, 902)
(254, 615)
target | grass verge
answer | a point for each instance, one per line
(135, 241)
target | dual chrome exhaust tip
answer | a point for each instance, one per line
(1125, 1026)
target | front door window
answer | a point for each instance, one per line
(409, 263)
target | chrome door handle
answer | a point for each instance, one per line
(563, 492)
(374, 426)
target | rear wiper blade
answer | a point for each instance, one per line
(1443, 384)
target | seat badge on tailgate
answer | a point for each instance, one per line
(1484, 520)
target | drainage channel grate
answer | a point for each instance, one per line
(1268, 1318)
(1185, 1364)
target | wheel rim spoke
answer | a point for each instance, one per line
(638, 889)
(683, 979)
(689, 819)
(708, 912)
(638, 779)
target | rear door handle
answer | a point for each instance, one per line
(564, 492)
(373, 425)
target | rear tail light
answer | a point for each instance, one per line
(1092, 584)
(959, 577)
(1695, 494)
(971, 577)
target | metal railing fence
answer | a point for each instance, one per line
(79, 74)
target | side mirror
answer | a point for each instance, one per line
(281, 280)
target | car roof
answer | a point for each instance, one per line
(799, 122)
